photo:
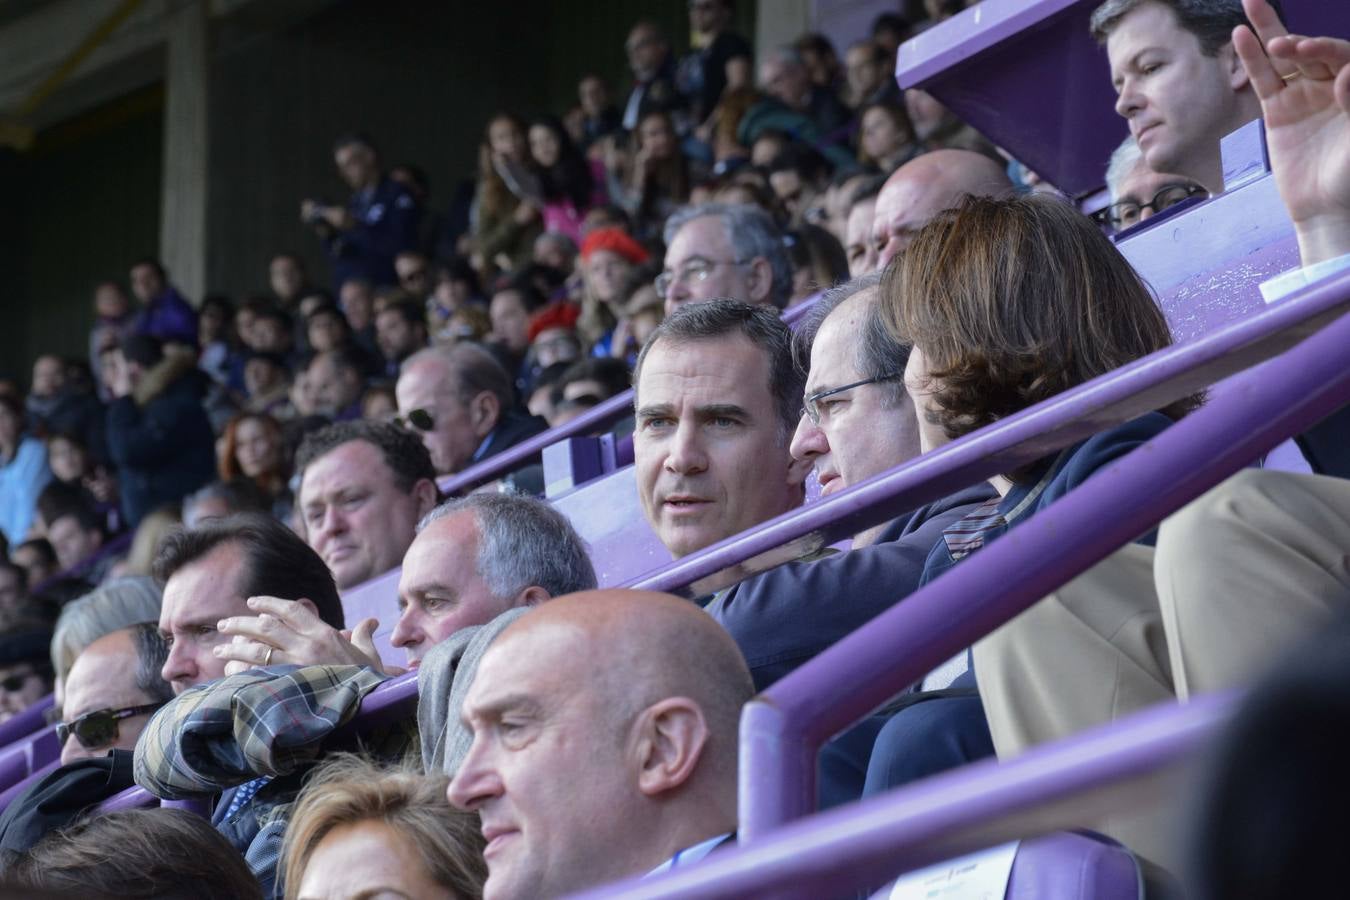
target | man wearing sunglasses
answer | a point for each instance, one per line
(113, 688)
(460, 401)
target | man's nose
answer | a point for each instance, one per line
(686, 453)
(808, 441)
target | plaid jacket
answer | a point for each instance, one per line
(264, 722)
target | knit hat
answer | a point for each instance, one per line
(615, 240)
(555, 315)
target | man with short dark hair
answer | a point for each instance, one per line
(1178, 81)
(380, 219)
(604, 742)
(236, 566)
(716, 397)
(400, 331)
(869, 79)
(113, 687)
(653, 71)
(286, 277)
(721, 250)
(336, 382)
(721, 59)
(461, 402)
(363, 488)
(25, 669)
(159, 435)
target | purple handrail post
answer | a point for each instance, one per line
(845, 683)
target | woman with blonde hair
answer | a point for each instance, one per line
(360, 829)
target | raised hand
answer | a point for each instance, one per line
(1304, 87)
(287, 631)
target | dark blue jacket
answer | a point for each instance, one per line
(786, 616)
(1051, 480)
(160, 438)
(388, 220)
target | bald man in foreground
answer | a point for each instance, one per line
(604, 742)
(924, 187)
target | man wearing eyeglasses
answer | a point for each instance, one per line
(1137, 192)
(857, 423)
(722, 250)
(113, 687)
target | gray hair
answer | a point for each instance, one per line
(1211, 21)
(751, 233)
(523, 542)
(470, 369)
(119, 603)
(1123, 162)
(760, 325)
(877, 354)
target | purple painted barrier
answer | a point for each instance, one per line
(376, 598)
(782, 730)
(25, 723)
(598, 418)
(1130, 391)
(864, 844)
(22, 758)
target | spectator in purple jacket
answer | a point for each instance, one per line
(165, 316)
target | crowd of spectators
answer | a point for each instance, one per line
(182, 511)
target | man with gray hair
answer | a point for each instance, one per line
(113, 687)
(1137, 192)
(1178, 81)
(784, 76)
(479, 556)
(461, 402)
(724, 250)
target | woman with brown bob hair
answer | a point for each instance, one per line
(1008, 303)
(362, 829)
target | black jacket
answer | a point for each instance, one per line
(58, 799)
(161, 439)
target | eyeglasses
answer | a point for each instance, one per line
(695, 271)
(1126, 213)
(99, 728)
(418, 419)
(812, 410)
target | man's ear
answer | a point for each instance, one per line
(759, 280)
(671, 737)
(532, 596)
(1237, 73)
(426, 494)
(484, 411)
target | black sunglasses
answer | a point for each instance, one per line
(419, 419)
(99, 728)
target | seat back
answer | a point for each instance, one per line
(377, 598)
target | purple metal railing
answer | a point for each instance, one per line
(1144, 385)
(865, 844)
(27, 722)
(783, 729)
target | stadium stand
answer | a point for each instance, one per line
(1029, 78)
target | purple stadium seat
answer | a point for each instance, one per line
(24, 724)
(608, 516)
(1069, 865)
(21, 758)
